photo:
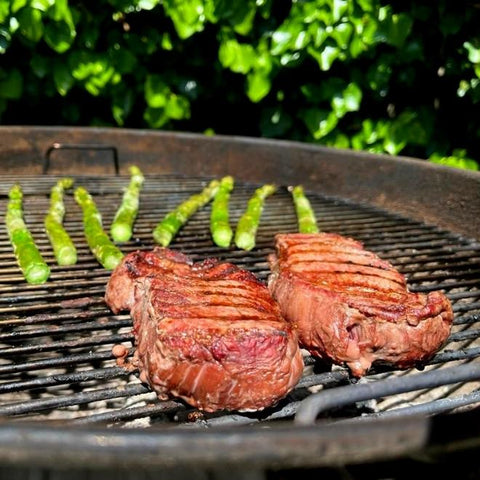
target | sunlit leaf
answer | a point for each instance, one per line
(188, 16)
(236, 56)
(15, 5)
(325, 56)
(319, 122)
(258, 85)
(347, 101)
(156, 91)
(177, 107)
(473, 53)
(342, 34)
(457, 160)
(339, 8)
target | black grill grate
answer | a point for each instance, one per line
(56, 339)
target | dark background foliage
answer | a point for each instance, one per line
(398, 77)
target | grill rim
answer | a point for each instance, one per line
(360, 176)
(281, 447)
(306, 444)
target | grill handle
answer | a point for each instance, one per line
(82, 147)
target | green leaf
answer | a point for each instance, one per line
(166, 42)
(238, 57)
(11, 84)
(325, 57)
(455, 162)
(60, 30)
(282, 38)
(339, 141)
(177, 107)
(318, 34)
(397, 28)
(473, 53)
(15, 5)
(155, 117)
(62, 78)
(4, 11)
(156, 91)
(348, 101)
(339, 8)
(188, 16)
(393, 146)
(31, 25)
(319, 122)
(42, 5)
(258, 85)
(147, 4)
(59, 36)
(94, 71)
(341, 34)
(238, 14)
(122, 105)
(477, 70)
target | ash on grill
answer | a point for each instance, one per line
(56, 340)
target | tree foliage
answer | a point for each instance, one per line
(398, 77)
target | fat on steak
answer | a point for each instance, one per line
(351, 307)
(207, 332)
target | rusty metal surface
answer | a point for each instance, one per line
(280, 447)
(440, 195)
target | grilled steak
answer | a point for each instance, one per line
(207, 332)
(352, 307)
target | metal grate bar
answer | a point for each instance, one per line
(56, 338)
(131, 413)
(315, 404)
(64, 345)
(49, 363)
(72, 400)
(62, 379)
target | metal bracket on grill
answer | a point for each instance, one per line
(315, 404)
(80, 146)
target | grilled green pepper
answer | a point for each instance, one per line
(63, 247)
(122, 226)
(104, 250)
(246, 231)
(166, 230)
(34, 268)
(307, 223)
(219, 218)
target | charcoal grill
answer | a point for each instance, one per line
(63, 399)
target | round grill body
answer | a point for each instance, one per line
(63, 398)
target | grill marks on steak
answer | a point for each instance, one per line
(208, 332)
(352, 307)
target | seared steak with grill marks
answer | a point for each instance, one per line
(207, 332)
(352, 307)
